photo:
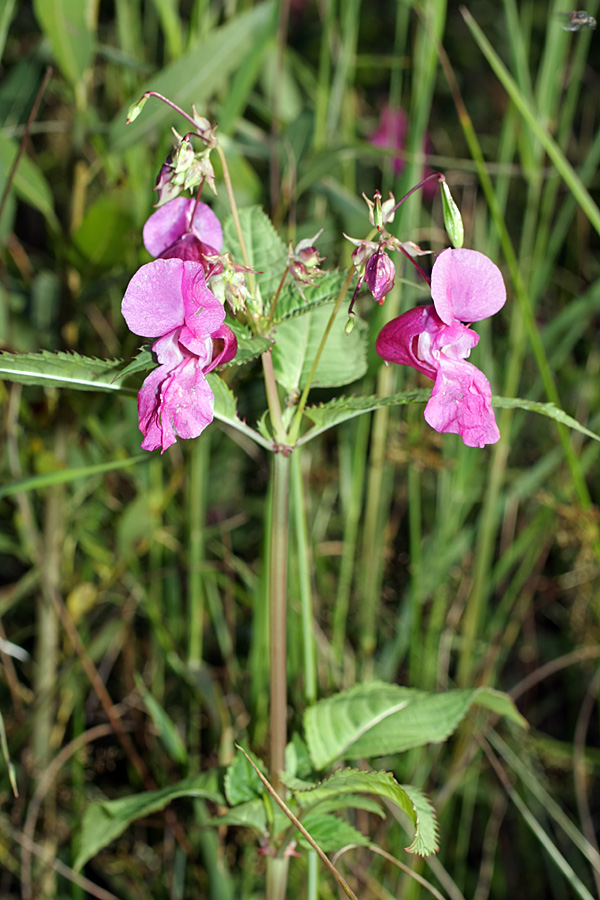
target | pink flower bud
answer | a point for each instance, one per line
(379, 275)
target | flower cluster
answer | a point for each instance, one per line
(465, 287)
(169, 299)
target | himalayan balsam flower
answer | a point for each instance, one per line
(183, 229)
(465, 287)
(169, 299)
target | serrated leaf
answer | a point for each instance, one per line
(326, 415)
(104, 822)
(330, 833)
(144, 361)
(382, 784)
(64, 24)
(427, 835)
(241, 781)
(297, 758)
(196, 76)
(376, 719)
(291, 303)
(544, 409)
(61, 370)
(266, 251)
(248, 815)
(341, 409)
(249, 346)
(28, 183)
(297, 341)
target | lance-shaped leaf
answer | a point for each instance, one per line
(376, 719)
(61, 370)
(345, 782)
(104, 822)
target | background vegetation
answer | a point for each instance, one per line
(132, 620)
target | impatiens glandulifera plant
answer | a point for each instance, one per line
(220, 295)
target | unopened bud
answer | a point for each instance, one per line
(452, 217)
(349, 324)
(379, 275)
(136, 108)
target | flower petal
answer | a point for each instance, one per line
(466, 285)
(169, 223)
(461, 403)
(174, 403)
(153, 301)
(398, 342)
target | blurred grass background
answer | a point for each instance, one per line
(431, 564)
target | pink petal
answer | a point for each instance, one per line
(224, 347)
(203, 313)
(153, 301)
(173, 220)
(466, 285)
(398, 341)
(460, 403)
(175, 403)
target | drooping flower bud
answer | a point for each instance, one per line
(452, 217)
(379, 275)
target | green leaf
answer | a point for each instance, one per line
(249, 815)
(102, 237)
(382, 784)
(28, 183)
(165, 727)
(241, 781)
(330, 833)
(297, 340)
(65, 476)
(266, 251)
(544, 409)
(376, 719)
(141, 363)
(7, 10)
(326, 415)
(249, 346)
(297, 758)
(104, 822)
(64, 24)
(291, 303)
(195, 77)
(61, 370)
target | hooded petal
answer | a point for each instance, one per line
(461, 403)
(466, 285)
(398, 341)
(173, 220)
(174, 403)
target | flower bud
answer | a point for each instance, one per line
(452, 217)
(379, 275)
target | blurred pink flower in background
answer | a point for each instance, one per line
(391, 134)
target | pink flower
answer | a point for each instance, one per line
(169, 298)
(391, 134)
(465, 287)
(183, 229)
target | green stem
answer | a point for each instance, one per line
(278, 550)
(304, 586)
(295, 428)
